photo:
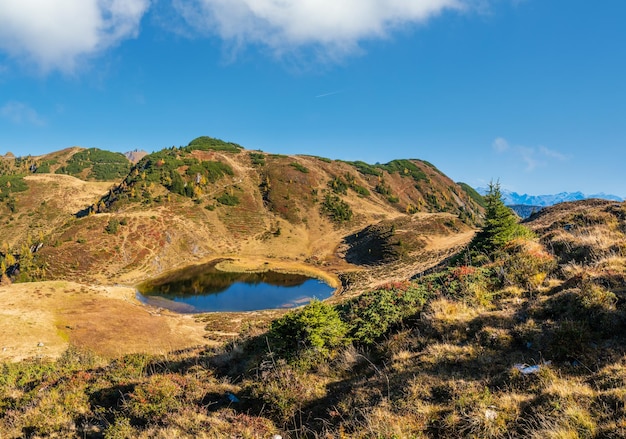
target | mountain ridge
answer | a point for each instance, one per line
(211, 199)
(514, 198)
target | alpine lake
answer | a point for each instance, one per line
(208, 288)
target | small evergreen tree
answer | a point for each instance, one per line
(501, 224)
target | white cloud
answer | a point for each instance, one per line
(334, 26)
(500, 144)
(532, 157)
(529, 156)
(552, 154)
(55, 34)
(21, 114)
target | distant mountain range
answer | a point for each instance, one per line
(513, 198)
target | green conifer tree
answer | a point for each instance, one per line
(501, 224)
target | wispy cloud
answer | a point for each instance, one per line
(529, 156)
(335, 27)
(20, 113)
(500, 144)
(552, 154)
(532, 157)
(55, 35)
(332, 93)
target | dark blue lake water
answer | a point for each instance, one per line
(206, 289)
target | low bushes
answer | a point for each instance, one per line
(372, 314)
(337, 209)
(316, 327)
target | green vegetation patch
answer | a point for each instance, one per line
(406, 168)
(228, 199)
(337, 209)
(103, 165)
(257, 158)
(44, 166)
(177, 171)
(206, 143)
(317, 326)
(372, 314)
(323, 159)
(112, 226)
(11, 184)
(385, 190)
(501, 226)
(340, 185)
(366, 168)
(299, 167)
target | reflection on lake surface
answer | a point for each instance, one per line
(204, 288)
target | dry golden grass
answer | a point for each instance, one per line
(453, 369)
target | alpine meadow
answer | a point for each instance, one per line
(283, 219)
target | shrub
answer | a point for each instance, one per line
(372, 314)
(284, 390)
(155, 398)
(317, 327)
(596, 299)
(299, 167)
(112, 227)
(228, 199)
(337, 209)
(323, 159)
(257, 158)
(525, 264)
(383, 189)
(338, 185)
(473, 285)
(362, 191)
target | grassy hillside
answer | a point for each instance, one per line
(471, 192)
(525, 341)
(91, 164)
(186, 204)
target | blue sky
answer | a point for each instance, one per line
(530, 92)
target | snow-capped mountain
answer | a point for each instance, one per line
(513, 198)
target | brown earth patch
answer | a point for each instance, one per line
(43, 319)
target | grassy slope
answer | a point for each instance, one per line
(183, 394)
(447, 366)
(160, 229)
